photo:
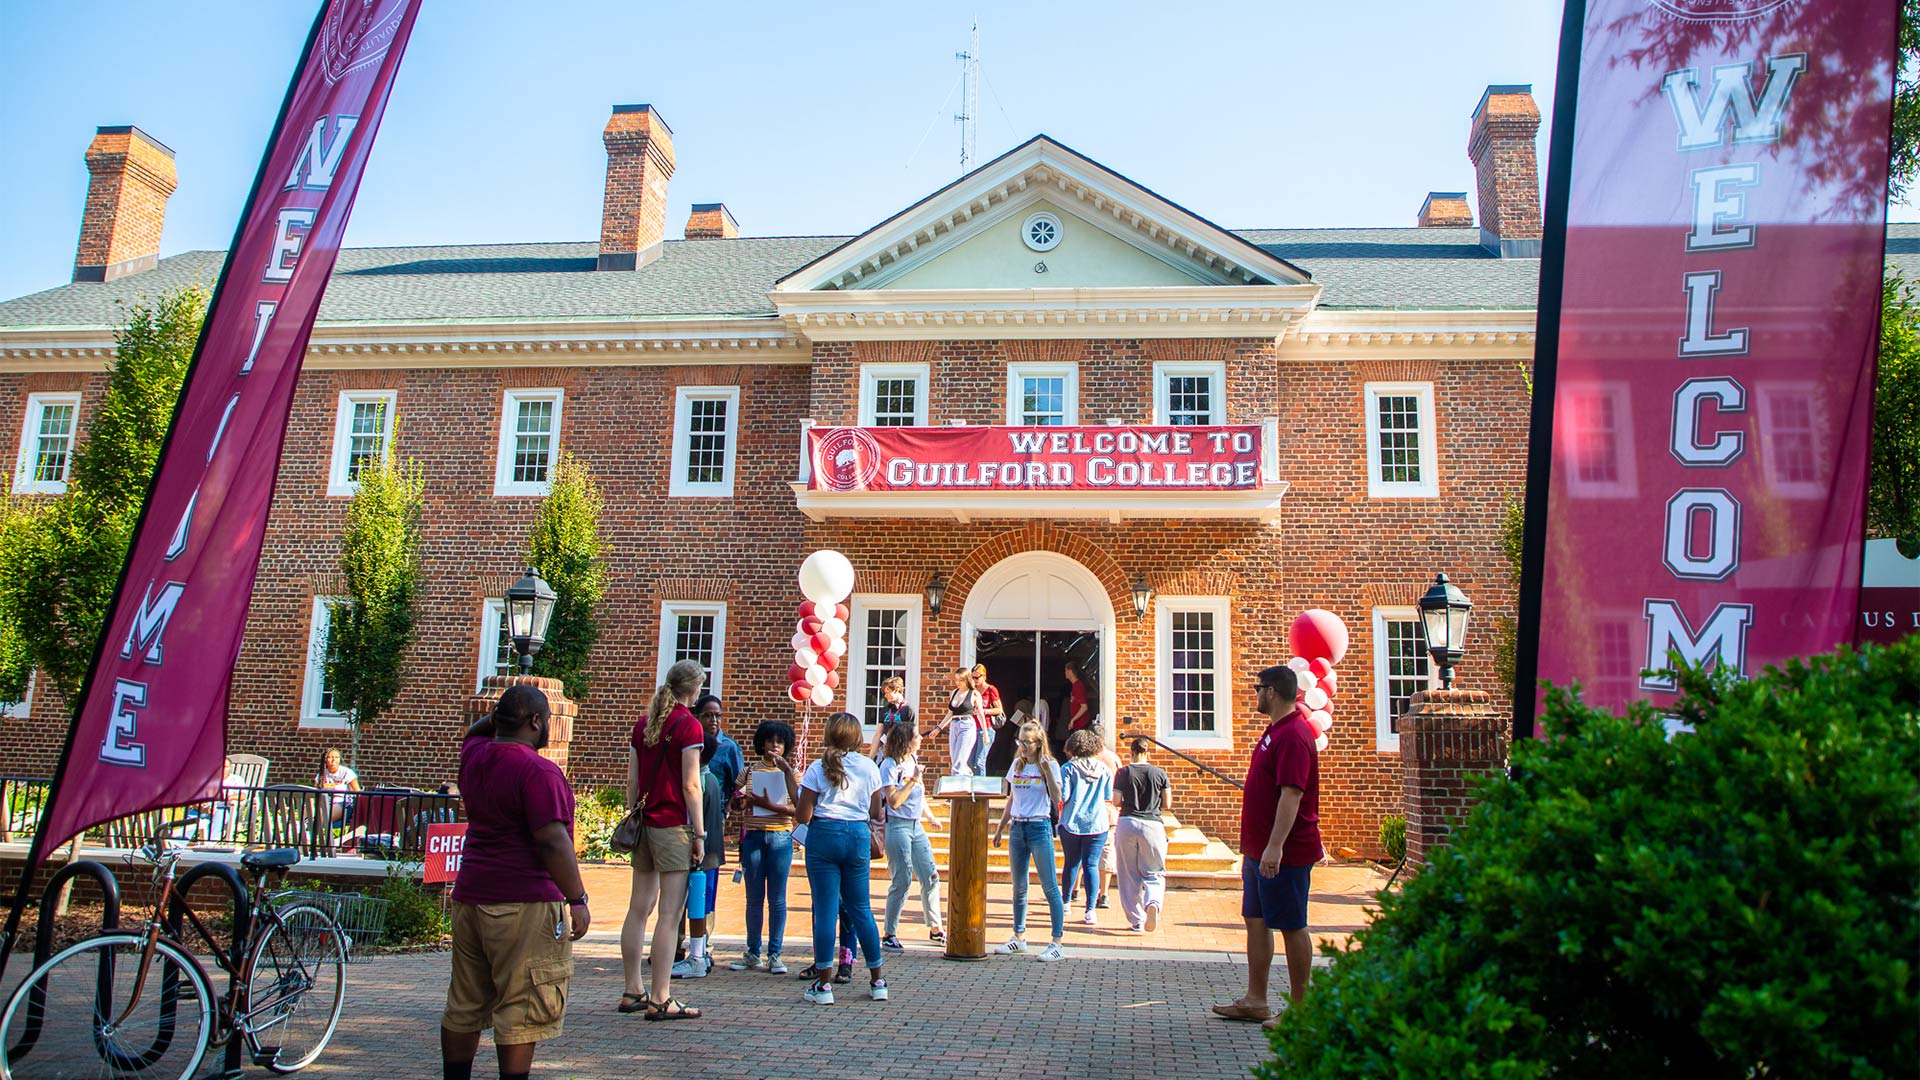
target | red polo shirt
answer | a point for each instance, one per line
(1284, 757)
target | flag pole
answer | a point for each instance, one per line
(37, 849)
(1546, 361)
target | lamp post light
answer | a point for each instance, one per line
(936, 591)
(529, 607)
(1443, 613)
(1142, 593)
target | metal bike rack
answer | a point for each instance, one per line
(242, 928)
(43, 938)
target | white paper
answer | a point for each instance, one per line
(771, 784)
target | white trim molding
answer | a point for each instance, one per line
(1221, 670)
(670, 613)
(678, 486)
(1182, 311)
(872, 374)
(505, 459)
(1426, 436)
(856, 667)
(27, 463)
(338, 483)
(312, 687)
(1387, 740)
(493, 614)
(1349, 334)
(1067, 372)
(1261, 503)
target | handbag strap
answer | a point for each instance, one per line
(640, 803)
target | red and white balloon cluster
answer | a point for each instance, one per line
(820, 637)
(1319, 641)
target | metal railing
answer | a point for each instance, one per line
(1201, 765)
(379, 823)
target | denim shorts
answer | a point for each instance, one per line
(1280, 901)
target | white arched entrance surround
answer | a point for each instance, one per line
(1043, 590)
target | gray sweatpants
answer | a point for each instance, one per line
(910, 857)
(1142, 857)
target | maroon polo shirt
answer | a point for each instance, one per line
(1284, 757)
(659, 767)
(510, 791)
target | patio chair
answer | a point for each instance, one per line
(251, 769)
(377, 817)
(292, 815)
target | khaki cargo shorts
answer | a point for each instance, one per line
(510, 972)
(664, 850)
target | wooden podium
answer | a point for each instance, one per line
(967, 865)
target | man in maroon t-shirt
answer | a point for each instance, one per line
(518, 903)
(1279, 843)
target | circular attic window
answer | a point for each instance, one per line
(1041, 232)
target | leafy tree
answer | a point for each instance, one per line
(1734, 902)
(565, 546)
(380, 554)
(61, 557)
(1893, 494)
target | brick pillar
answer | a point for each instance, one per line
(560, 728)
(633, 216)
(132, 175)
(1447, 737)
(1500, 144)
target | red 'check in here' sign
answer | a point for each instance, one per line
(445, 844)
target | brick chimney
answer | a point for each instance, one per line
(133, 175)
(633, 219)
(1445, 210)
(711, 221)
(1501, 147)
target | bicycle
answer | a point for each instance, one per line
(92, 1009)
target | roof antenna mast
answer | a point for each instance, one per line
(970, 93)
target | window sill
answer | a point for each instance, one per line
(41, 487)
(1402, 491)
(1195, 742)
(325, 723)
(512, 490)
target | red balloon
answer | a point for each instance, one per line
(796, 673)
(1318, 632)
(1321, 668)
(811, 626)
(842, 612)
(799, 691)
(1328, 682)
(820, 641)
(833, 679)
(806, 609)
(829, 661)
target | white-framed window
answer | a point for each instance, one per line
(1789, 440)
(1193, 661)
(1600, 450)
(529, 441)
(1400, 441)
(883, 640)
(705, 419)
(20, 710)
(316, 696)
(1190, 392)
(693, 630)
(496, 643)
(1043, 395)
(1402, 668)
(894, 395)
(361, 433)
(46, 444)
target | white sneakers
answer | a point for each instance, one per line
(1015, 944)
(1153, 918)
(693, 969)
(819, 993)
(749, 962)
(1089, 920)
(1051, 953)
(775, 965)
(877, 990)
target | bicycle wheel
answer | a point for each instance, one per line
(77, 1014)
(298, 987)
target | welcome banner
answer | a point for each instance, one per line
(151, 727)
(1708, 336)
(1113, 458)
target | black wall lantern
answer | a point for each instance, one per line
(1141, 595)
(936, 592)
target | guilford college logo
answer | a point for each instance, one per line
(1718, 10)
(848, 459)
(357, 33)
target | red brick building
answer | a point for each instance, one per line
(1378, 377)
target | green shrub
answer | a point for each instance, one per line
(1735, 902)
(1393, 836)
(414, 916)
(594, 818)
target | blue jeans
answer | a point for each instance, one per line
(1083, 862)
(1035, 839)
(981, 744)
(767, 858)
(839, 862)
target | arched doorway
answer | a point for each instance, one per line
(1025, 618)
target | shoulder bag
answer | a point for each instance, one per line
(626, 835)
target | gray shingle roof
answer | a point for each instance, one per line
(1356, 268)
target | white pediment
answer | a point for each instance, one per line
(971, 235)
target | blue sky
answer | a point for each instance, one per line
(803, 119)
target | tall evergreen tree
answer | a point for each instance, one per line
(565, 546)
(380, 564)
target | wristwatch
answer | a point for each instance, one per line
(581, 902)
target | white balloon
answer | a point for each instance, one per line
(835, 628)
(1320, 744)
(1321, 720)
(837, 648)
(826, 577)
(801, 641)
(815, 675)
(1305, 680)
(1299, 663)
(822, 696)
(1316, 699)
(805, 657)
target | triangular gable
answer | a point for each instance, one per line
(1118, 234)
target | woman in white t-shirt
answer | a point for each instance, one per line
(909, 852)
(1035, 783)
(334, 776)
(839, 805)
